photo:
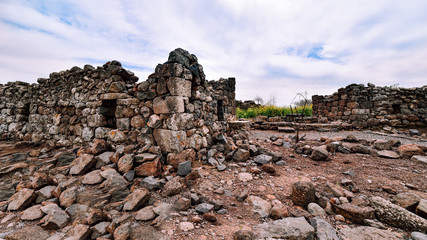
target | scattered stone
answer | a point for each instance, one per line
(68, 197)
(244, 235)
(279, 212)
(409, 150)
(210, 217)
(269, 168)
(150, 183)
(374, 223)
(56, 217)
(418, 236)
(137, 199)
(363, 233)
(360, 148)
(303, 193)
(245, 177)
(92, 178)
(288, 228)
(259, 206)
(173, 186)
(204, 207)
(40, 180)
(21, 199)
(99, 229)
(122, 232)
(422, 208)
(388, 154)
(320, 154)
(333, 190)
(32, 213)
(186, 226)
(396, 216)
(184, 168)
(163, 210)
(82, 164)
(316, 210)
(28, 233)
(324, 231)
(125, 163)
(420, 159)
(80, 232)
(263, 159)
(145, 214)
(241, 155)
(354, 212)
(182, 204)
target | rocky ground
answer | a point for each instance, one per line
(340, 185)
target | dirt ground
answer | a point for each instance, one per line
(371, 176)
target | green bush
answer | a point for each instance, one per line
(272, 111)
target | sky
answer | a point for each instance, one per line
(274, 48)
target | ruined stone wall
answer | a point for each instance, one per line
(174, 110)
(369, 106)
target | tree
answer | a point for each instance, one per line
(259, 100)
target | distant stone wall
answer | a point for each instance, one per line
(175, 109)
(369, 106)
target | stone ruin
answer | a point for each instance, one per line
(371, 106)
(174, 111)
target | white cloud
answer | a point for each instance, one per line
(383, 42)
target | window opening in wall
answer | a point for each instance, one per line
(108, 109)
(220, 111)
(396, 108)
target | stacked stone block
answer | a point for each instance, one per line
(370, 106)
(174, 115)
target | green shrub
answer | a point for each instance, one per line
(272, 111)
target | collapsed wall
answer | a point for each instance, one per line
(174, 109)
(369, 106)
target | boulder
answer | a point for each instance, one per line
(324, 230)
(82, 164)
(32, 213)
(288, 228)
(420, 159)
(259, 206)
(354, 212)
(363, 233)
(21, 199)
(409, 150)
(303, 193)
(93, 177)
(173, 186)
(320, 154)
(396, 216)
(151, 168)
(407, 200)
(241, 155)
(388, 154)
(422, 208)
(263, 159)
(145, 214)
(56, 217)
(137, 199)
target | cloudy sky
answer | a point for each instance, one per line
(275, 49)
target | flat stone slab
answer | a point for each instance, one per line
(286, 129)
(421, 159)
